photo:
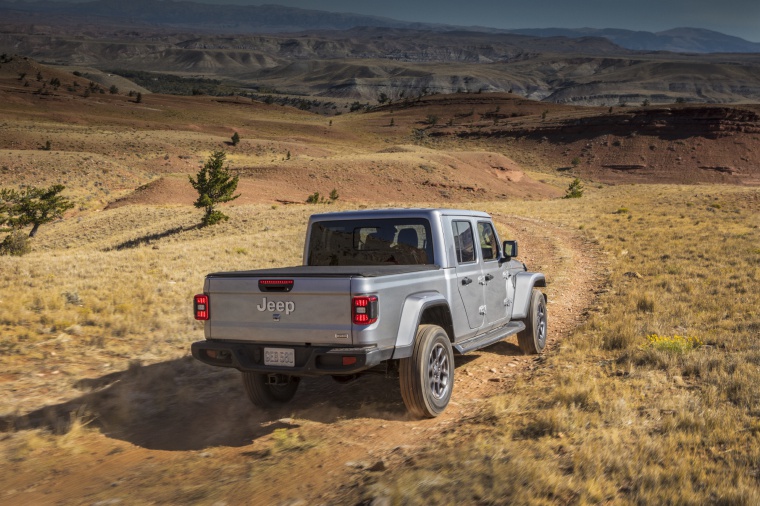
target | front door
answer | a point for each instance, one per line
(494, 276)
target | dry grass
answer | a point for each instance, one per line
(115, 287)
(606, 417)
(609, 417)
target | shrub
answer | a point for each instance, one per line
(645, 304)
(15, 244)
(419, 134)
(673, 344)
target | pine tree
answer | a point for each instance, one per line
(235, 139)
(32, 206)
(574, 190)
(215, 185)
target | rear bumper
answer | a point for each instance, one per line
(309, 360)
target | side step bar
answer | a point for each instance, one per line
(488, 338)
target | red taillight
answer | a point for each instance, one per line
(364, 310)
(200, 306)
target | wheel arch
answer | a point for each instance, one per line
(439, 314)
(420, 309)
(524, 284)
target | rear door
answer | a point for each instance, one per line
(468, 271)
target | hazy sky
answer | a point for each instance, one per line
(733, 17)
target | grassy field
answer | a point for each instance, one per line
(655, 399)
(607, 416)
(117, 286)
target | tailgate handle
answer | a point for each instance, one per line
(275, 285)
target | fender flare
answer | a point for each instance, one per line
(411, 312)
(524, 284)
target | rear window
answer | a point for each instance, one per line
(404, 241)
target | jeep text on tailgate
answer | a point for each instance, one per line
(394, 290)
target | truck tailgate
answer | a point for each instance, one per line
(316, 310)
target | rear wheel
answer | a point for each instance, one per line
(264, 394)
(532, 340)
(427, 377)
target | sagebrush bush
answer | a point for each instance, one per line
(15, 244)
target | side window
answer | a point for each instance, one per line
(488, 243)
(463, 241)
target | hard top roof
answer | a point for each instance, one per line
(396, 213)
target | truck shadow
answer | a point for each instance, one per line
(506, 349)
(185, 405)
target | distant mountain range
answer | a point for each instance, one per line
(238, 19)
(679, 40)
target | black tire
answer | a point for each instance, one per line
(264, 395)
(532, 340)
(427, 377)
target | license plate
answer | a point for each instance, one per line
(285, 357)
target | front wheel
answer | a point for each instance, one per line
(264, 394)
(532, 340)
(427, 377)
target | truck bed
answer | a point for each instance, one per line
(314, 308)
(313, 271)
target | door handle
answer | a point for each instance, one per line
(489, 277)
(466, 281)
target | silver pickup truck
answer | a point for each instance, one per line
(393, 290)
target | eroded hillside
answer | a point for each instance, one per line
(392, 63)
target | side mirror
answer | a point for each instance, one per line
(509, 249)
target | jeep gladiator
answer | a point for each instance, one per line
(397, 291)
